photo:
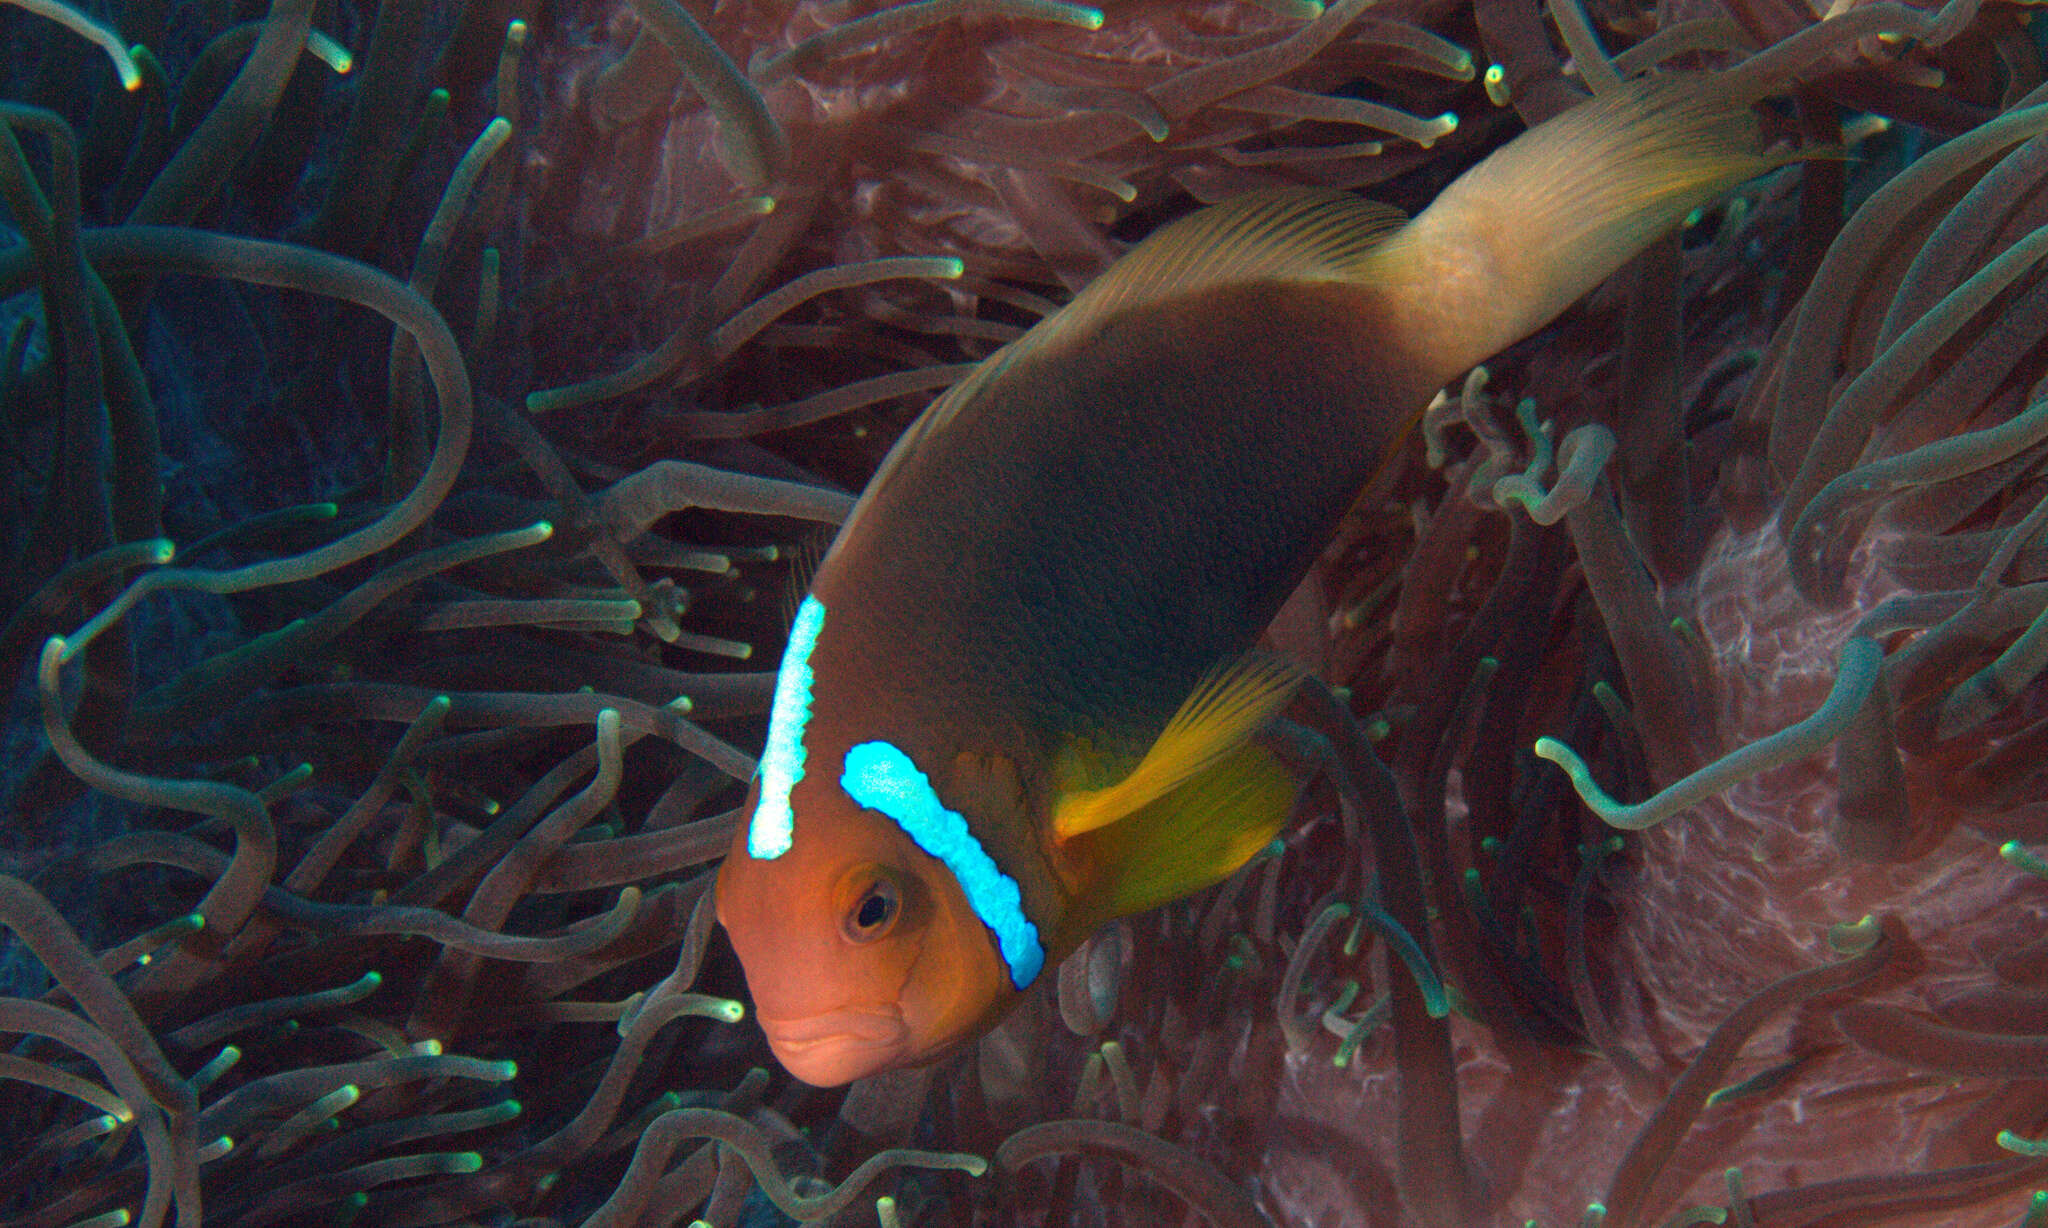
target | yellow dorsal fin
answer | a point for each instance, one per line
(1223, 710)
(1195, 836)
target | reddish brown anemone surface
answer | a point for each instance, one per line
(714, 313)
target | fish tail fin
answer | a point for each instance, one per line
(1550, 215)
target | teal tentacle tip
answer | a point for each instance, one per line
(329, 52)
(1855, 937)
(1435, 1000)
(1581, 776)
(725, 1010)
(2031, 1147)
(2020, 857)
(1496, 81)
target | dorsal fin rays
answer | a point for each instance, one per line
(804, 558)
(1223, 711)
(936, 415)
(1277, 234)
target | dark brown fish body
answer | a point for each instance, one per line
(1133, 511)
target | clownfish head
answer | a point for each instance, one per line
(862, 951)
(874, 929)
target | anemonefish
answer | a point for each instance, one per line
(1021, 697)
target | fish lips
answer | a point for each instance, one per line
(839, 1046)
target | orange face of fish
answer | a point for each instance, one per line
(861, 952)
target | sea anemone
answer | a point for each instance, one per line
(412, 457)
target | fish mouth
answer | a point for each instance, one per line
(855, 1026)
(836, 1047)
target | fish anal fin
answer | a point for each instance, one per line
(1197, 835)
(1218, 716)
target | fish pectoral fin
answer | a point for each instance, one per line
(1195, 836)
(1224, 709)
(986, 786)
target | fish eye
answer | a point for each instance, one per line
(874, 912)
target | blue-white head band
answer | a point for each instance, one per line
(882, 778)
(782, 762)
